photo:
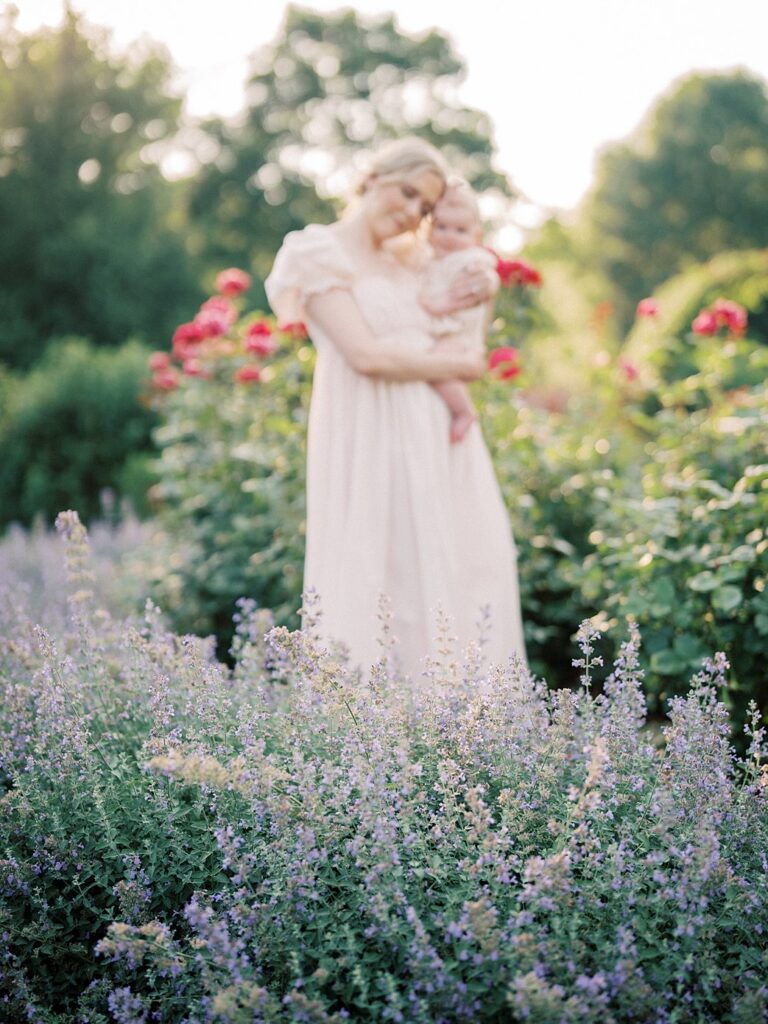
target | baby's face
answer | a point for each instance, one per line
(454, 226)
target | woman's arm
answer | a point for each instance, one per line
(336, 313)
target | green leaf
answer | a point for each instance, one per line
(727, 598)
(668, 663)
(662, 596)
(689, 647)
(703, 582)
(743, 553)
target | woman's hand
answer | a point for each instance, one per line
(470, 364)
(474, 286)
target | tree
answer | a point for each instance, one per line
(689, 184)
(329, 87)
(88, 244)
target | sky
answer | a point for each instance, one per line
(560, 79)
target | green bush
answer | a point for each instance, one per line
(73, 427)
(553, 480)
(685, 549)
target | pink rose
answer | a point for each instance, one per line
(647, 307)
(232, 282)
(216, 316)
(248, 374)
(504, 363)
(186, 340)
(159, 361)
(194, 368)
(259, 340)
(731, 315)
(705, 323)
(165, 380)
(629, 369)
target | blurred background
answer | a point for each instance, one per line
(144, 147)
(621, 150)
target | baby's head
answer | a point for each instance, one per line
(456, 222)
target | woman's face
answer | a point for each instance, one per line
(396, 205)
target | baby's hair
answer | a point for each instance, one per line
(458, 192)
(404, 157)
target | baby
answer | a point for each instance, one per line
(456, 241)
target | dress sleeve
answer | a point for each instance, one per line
(308, 262)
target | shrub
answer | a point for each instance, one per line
(666, 348)
(554, 482)
(234, 848)
(72, 428)
(686, 550)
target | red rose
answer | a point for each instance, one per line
(731, 315)
(516, 272)
(705, 323)
(259, 340)
(504, 363)
(159, 361)
(232, 281)
(647, 307)
(295, 330)
(248, 374)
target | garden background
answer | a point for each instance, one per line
(161, 764)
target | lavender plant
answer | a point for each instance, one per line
(285, 841)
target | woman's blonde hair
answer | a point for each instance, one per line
(402, 158)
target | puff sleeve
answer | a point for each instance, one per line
(309, 262)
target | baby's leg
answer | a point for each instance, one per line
(456, 396)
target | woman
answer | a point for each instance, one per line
(393, 509)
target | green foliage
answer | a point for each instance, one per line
(684, 549)
(688, 185)
(72, 428)
(553, 482)
(90, 245)
(329, 86)
(178, 837)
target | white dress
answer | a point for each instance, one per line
(393, 508)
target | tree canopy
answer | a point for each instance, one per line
(87, 245)
(329, 87)
(689, 184)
